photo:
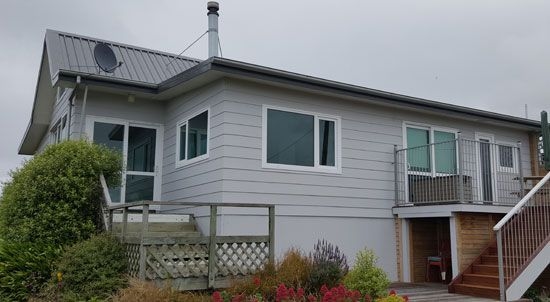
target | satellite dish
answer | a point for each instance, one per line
(105, 57)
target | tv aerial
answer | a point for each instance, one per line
(105, 58)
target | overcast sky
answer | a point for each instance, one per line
(492, 55)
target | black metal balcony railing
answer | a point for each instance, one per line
(459, 171)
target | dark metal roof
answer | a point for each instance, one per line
(162, 75)
(71, 52)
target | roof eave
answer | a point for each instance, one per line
(270, 74)
(69, 77)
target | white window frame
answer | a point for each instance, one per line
(59, 132)
(157, 174)
(185, 122)
(317, 167)
(515, 158)
(431, 130)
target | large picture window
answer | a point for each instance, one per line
(299, 140)
(192, 138)
(428, 148)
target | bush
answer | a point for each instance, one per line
(54, 197)
(94, 268)
(24, 268)
(537, 294)
(292, 270)
(140, 291)
(393, 297)
(329, 265)
(290, 294)
(366, 277)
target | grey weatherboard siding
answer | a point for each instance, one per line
(351, 209)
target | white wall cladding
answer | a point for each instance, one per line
(60, 109)
(352, 209)
(117, 107)
(200, 181)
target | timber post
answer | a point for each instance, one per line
(212, 246)
(142, 248)
(272, 234)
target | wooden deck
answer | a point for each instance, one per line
(424, 292)
(176, 253)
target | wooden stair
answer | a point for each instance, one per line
(159, 229)
(480, 279)
(159, 226)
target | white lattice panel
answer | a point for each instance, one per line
(177, 261)
(240, 258)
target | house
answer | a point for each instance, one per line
(408, 177)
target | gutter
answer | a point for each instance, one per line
(94, 79)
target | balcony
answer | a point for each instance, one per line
(459, 171)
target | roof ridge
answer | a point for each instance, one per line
(73, 35)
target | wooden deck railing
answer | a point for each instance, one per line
(194, 262)
(522, 233)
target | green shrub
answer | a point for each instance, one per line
(54, 197)
(292, 270)
(94, 268)
(366, 277)
(329, 265)
(24, 268)
(537, 294)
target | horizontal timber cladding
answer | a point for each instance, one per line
(474, 234)
(199, 181)
(368, 135)
(426, 234)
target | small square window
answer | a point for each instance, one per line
(506, 156)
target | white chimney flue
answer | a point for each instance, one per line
(213, 41)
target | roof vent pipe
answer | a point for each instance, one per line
(213, 41)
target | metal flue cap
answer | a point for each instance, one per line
(213, 7)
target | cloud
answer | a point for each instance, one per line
(486, 54)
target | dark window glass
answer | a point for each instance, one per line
(326, 143)
(445, 152)
(139, 187)
(111, 136)
(418, 152)
(197, 138)
(183, 136)
(141, 149)
(290, 138)
(506, 156)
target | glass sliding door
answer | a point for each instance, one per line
(486, 162)
(486, 170)
(111, 136)
(140, 170)
(139, 148)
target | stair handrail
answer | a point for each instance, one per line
(521, 204)
(502, 243)
(105, 202)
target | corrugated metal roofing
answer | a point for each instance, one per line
(75, 53)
